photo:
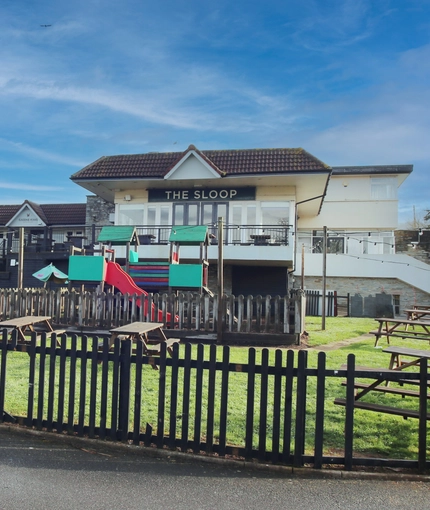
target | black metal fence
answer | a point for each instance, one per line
(198, 400)
(336, 305)
(60, 240)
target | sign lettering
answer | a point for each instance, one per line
(201, 194)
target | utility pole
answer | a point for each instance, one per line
(220, 279)
(21, 258)
(324, 278)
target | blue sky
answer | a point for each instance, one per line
(346, 80)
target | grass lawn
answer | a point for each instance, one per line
(376, 434)
(336, 329)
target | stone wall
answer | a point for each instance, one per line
(98, 211)
(407, 295)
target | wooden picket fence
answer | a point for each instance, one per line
(198, 400)
(277, 315)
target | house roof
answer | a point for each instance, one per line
(374, 169)
(51, 214)
(225, 162)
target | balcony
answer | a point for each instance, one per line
(242, 235)
(248, 243)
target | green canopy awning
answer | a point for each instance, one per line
(189, 234)
(51, 274)
(118, 235)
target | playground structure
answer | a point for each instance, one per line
(189, 276)
(102, 269)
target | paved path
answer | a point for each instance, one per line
(44, 472)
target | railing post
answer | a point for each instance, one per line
(319, 414)
(220, 321)
(300, 409)
(349, 411)
(422, 426)
(124, 389)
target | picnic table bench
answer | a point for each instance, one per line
(369, 406)
(399, 328)
(397, 352)
(417, 313)
(381, 383)
(140, 332)
(29, 324)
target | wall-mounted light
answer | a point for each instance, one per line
(127, 198)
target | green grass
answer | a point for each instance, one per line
(336, 329)
(376, 434)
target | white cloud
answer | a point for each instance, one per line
(40, 154)
(28, 187)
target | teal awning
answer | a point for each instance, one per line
(118, 235)
(189, 234)
(51, 274)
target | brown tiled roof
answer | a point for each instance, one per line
(226, 162)
(7, 212)
(38, 210)
(65, 214)
(52, 214)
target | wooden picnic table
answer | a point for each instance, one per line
(381, 383)
(399, 328)
(140, 331)
(421, 307)
(417, 313)
(25, 325)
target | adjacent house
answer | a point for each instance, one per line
(44, 233)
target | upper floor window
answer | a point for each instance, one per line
(275, 213)
(130, 214)
(383, 188)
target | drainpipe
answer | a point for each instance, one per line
(295, 228)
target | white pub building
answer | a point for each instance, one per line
(274, 204)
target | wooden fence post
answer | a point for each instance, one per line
(124, 389)
(422, 426)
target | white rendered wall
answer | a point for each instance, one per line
(380, 215)
(349, 205)
(266, 255)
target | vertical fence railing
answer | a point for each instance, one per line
(314, 303)
(271, 410)
(188, 311)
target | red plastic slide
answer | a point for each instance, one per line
(118, 278)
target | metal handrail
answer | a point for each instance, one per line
(244, 235)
